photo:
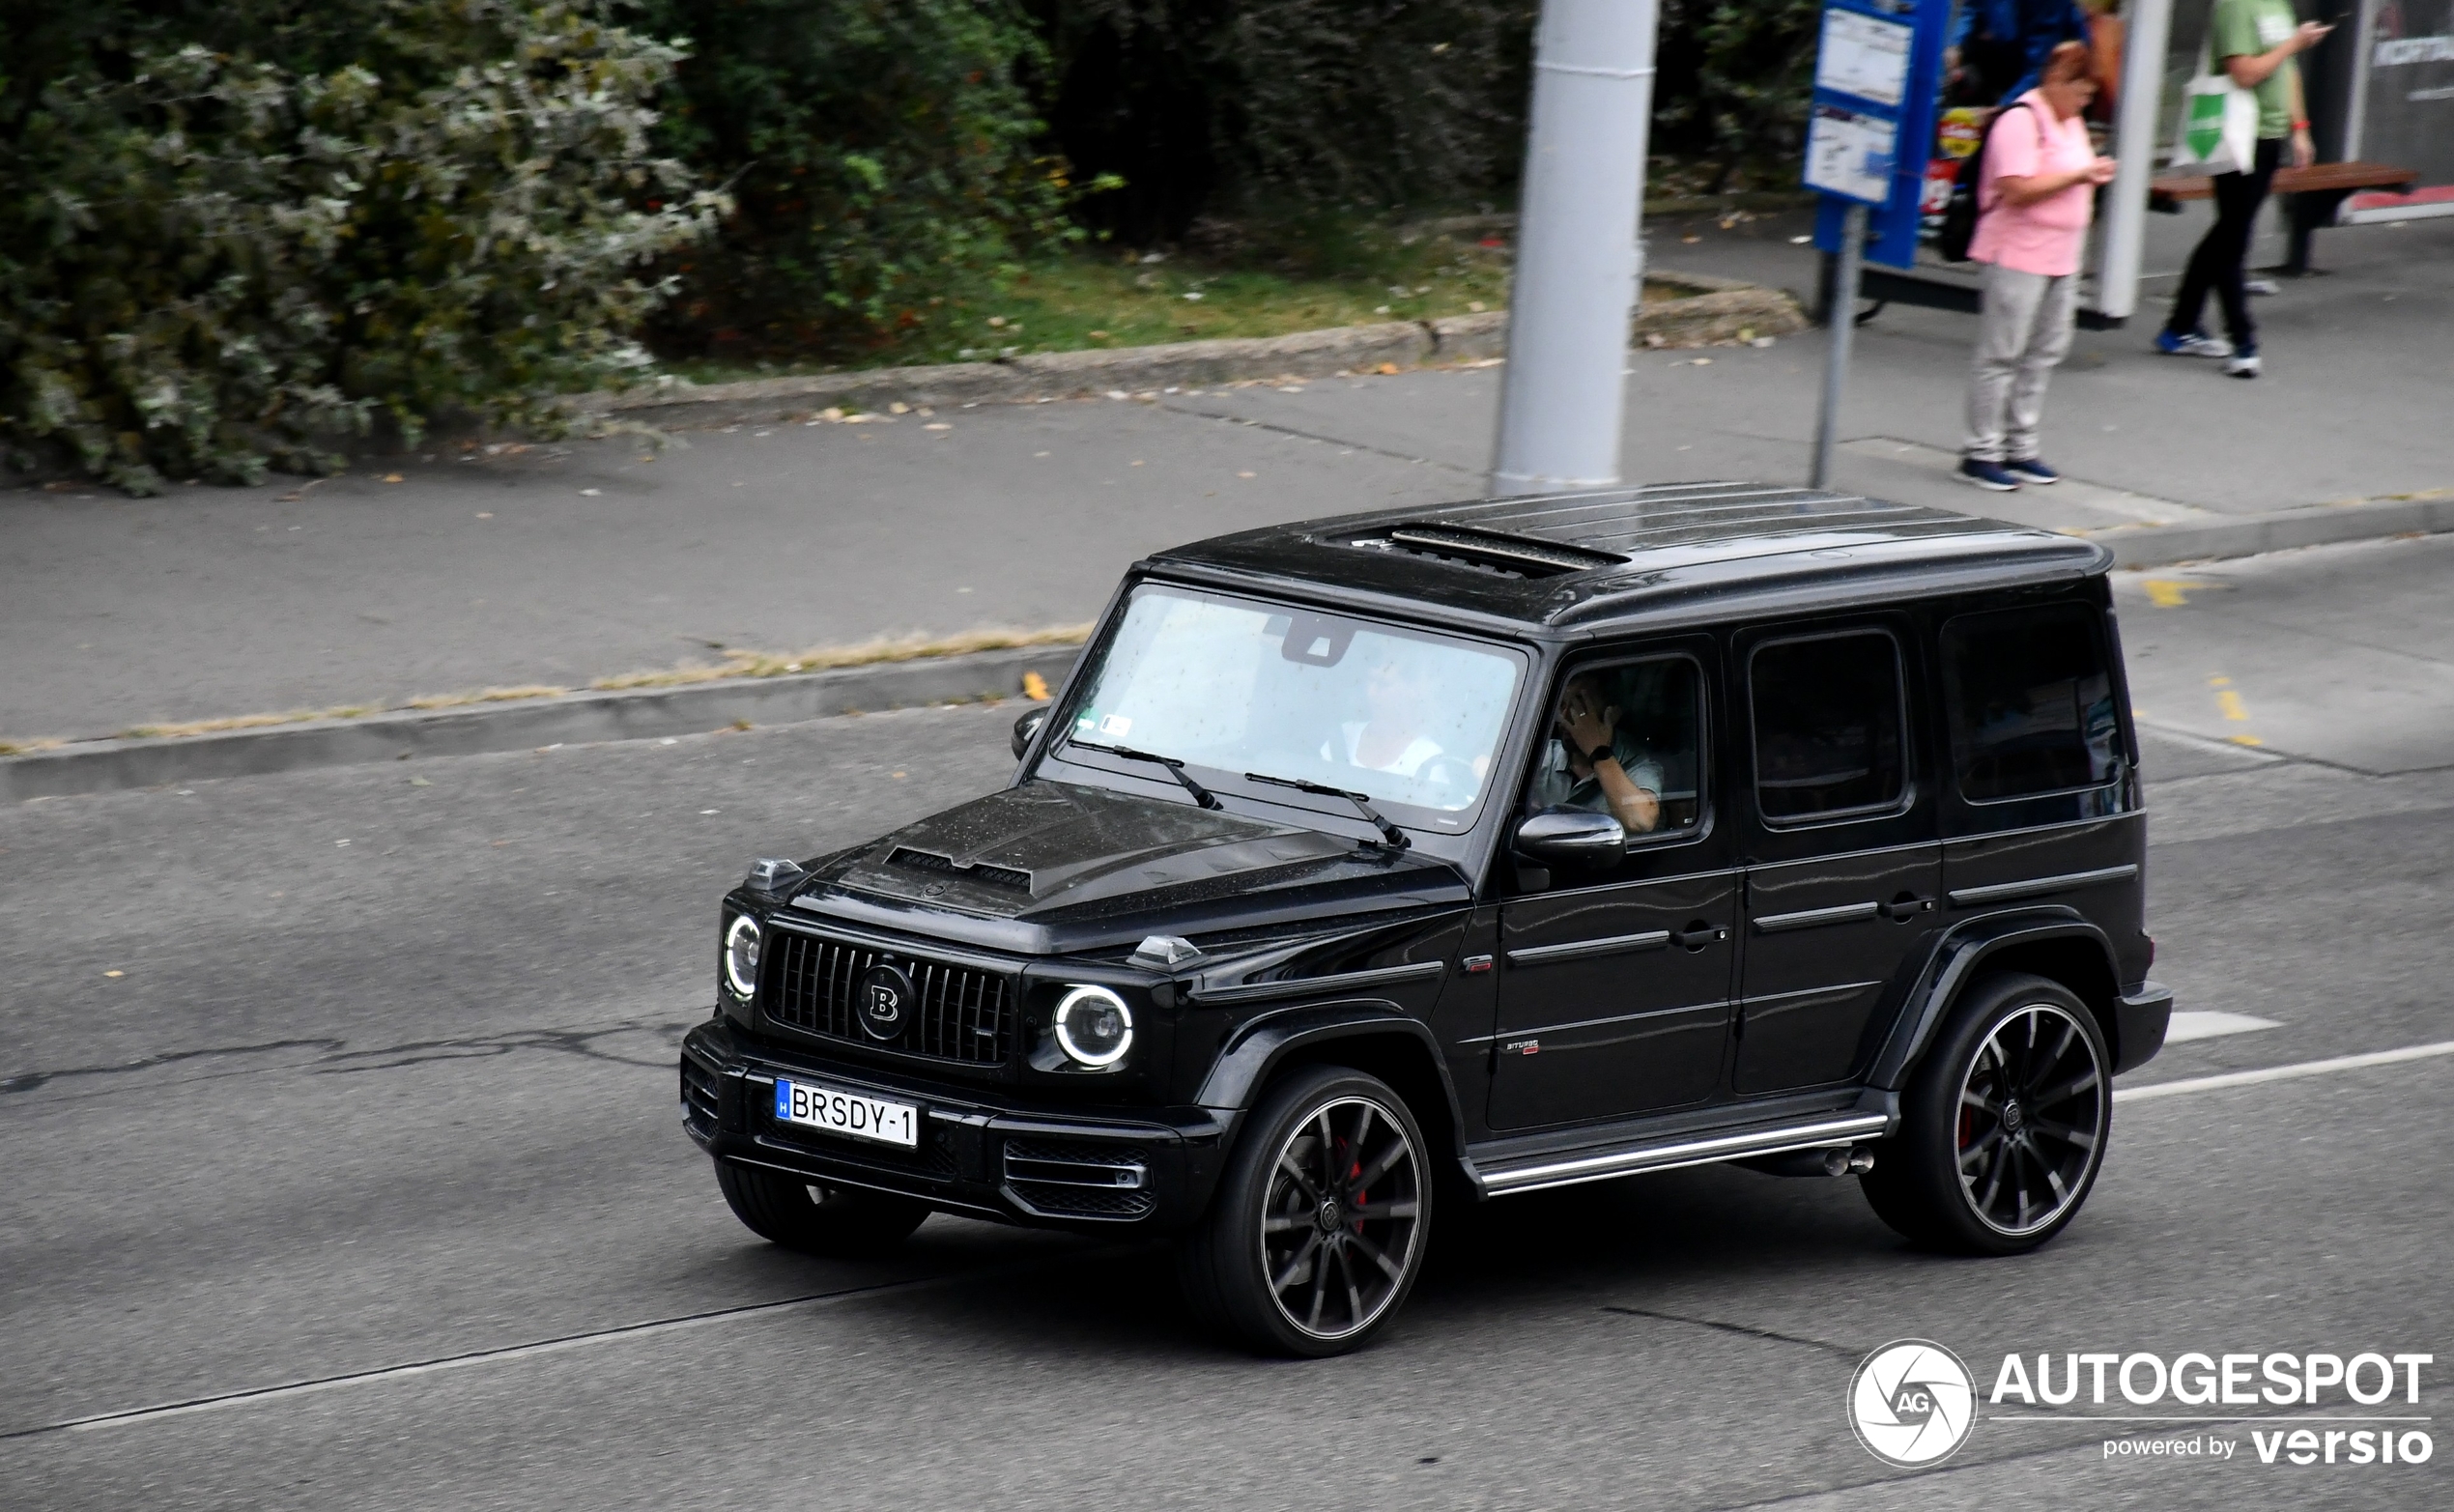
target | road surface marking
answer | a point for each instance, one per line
(2206, 1024)
(2341, 1063)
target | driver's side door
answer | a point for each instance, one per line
(1614, 981)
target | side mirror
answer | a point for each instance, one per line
(1572, 837)
(1027, 728)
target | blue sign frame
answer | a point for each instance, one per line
(1893, 223)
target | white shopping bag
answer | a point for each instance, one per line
(2219, 123)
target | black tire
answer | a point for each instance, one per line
(2003, 1124)
(1329, 1195)
(840, 1222)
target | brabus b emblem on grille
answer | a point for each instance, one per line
(885, 995)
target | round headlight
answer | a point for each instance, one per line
(1094, 1026)
(741, 955)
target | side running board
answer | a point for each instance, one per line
(1545, 1171)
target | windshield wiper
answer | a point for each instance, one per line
(1395, 836)
(1175, 768)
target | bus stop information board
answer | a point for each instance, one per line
(1878, 70)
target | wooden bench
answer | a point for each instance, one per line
(2314, 194)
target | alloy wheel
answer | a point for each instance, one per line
(1341, 1219)
(2031, 1119)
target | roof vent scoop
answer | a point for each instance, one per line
(1489, 551)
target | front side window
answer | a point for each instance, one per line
(1410, 719)
(1626, 741)
(2031, 703)
(1828, 727)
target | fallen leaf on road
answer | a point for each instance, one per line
(1243, 475)
(591, 493)
(115, 974)
(419, 781)
(485, 514)
(1386, 369)
(395, 477)
(1035, 687)
(940, 425)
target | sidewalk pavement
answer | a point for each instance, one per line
(558, 565)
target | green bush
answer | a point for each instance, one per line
(211, 262)
(1736, 78)
(882, 155)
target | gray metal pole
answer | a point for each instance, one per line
(1842, 319)
(1562, 397)
(2150, 23)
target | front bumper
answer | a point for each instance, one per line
(2139, 1020)
(982, 1153)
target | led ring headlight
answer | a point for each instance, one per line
(741, 955)
(1094, 1026)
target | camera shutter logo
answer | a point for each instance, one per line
(884, 992)
(1912, 1403)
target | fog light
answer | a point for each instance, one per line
(1094, 1026)
(741, 955)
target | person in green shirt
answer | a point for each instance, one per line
(2258, 42)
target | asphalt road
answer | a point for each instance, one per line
(337, 1113)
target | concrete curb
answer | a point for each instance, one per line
(1718, 310)
(2163, 544)
(110, 765)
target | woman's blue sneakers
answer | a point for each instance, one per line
(2032, 470)
(1989, 474)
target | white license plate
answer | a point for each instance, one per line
(848, 1113)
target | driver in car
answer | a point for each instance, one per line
(1595, 764)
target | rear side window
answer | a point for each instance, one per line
(2031, 703)
(1828, 727)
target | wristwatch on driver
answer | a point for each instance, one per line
(1599, 754)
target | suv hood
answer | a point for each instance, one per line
(1055, 866)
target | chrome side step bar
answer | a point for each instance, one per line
(1847, 1129)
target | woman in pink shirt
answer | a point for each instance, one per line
(2034, 202)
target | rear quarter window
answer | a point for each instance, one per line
(2031, 703)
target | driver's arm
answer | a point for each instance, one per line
(1637, 808)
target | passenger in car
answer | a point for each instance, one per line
(1397, 698)
(1596, 763)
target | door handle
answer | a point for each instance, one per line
(1907, 906)
(1695, 936)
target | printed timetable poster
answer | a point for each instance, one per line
(1850, 153)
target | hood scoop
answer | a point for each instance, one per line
(947, 866)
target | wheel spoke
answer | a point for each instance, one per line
(1994, 1176)
(1363, 1128)
(1384, 1211)
(1378, 1256)
(1287, 1224)
(1353, 1296)
(2068, 1134)
(2085, 1081)
(1304, 1183)
(1320, 1289)
(1977, 1151)
(1970, 1097)
(1382, 1163)
(1295, 1265)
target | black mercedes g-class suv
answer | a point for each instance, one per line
(1371, 865)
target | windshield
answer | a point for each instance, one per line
(1410, 720)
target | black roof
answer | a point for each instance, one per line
(1672, 552)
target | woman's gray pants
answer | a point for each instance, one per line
(2023, 331)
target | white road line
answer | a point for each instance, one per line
(2341, 1063)
(2210, 1023)
(515, 1352)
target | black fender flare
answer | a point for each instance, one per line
(1954, 962)
(1259, 1048)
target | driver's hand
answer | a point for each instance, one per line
(1586, 726)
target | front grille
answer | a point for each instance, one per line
(964, 1015)
(699, 1097)
(1080, 1180)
